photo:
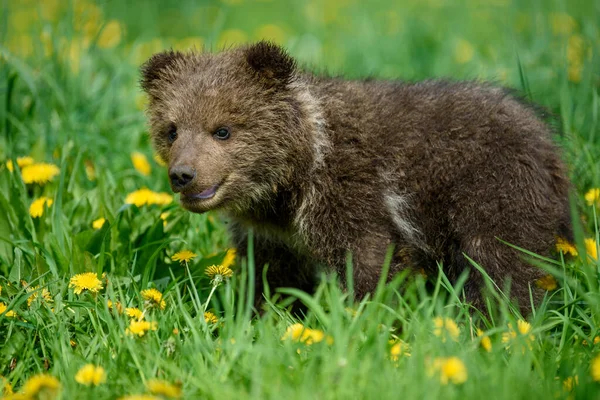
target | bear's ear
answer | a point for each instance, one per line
(152, 69)
(271, 62)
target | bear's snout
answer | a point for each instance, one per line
(181, 176)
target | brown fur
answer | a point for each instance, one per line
(320, 166)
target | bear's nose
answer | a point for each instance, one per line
(181, 176)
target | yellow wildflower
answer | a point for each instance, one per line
(570, 382)
(140, 163)
(41, 384)
(87, 281)
(98, 223)
(21, 162)
(524, 329)
(450, 369)
(39, 173)
(10, 314)
(141, 327)
(183, 256)
(229, 258)
(175, 331)
(591, 197)
(110, 35)
(596, 341)
(157, 158)
(35, 291)
(446, 327)
(134, 312)
(591, 248)
(299, 333)
(145, 196)
(153, 298)
(116, 306)
(595, 368)
(485, 342)
(7, 388)
(565, 247)
(218, 274)
(90, 375)
(399, 349)
(36, 209)
(72, 343)
(210, 318)
(547, 282)
(164, 388)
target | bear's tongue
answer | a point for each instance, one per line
(208, 193)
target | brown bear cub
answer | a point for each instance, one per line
(321, 166)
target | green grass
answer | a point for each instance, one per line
(69, 96)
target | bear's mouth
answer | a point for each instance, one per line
(205, 194)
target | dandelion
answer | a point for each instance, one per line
(591, 197)
(134, 312)
(299, 333)
(116, 306)
(399, 349)
(164, 388)
(210, 318)
(43, 294)
(595, 368)
(596, 341)
(153, 298)
(570, 382)
(445, 327)
(229, 258)
(87, 281)
(159, 160)
(183, 256)
(98, 223)
(39, 173)
(40, 385)
(547, 282)
(450, 369)
(565, 247)
(90, 375)
(140, 328)
(140, 163)
(485, 340)
(36, 209)
(10, 314)
(72, 343)
(7, 388)
(524, 330)
(591, 248)
(22, 162)
(145, 196)
(218, 274)
(110, 35)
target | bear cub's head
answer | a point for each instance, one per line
(233, 126)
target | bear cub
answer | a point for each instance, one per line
(320, 166)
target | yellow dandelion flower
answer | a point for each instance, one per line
(450, 370)
(36, 209)
(229, 258)
(140, 163)
(114, 306)
(72, 343)
(485, 340)
(22, 162)
(463, 51)
(445, 327)
(97, 224)
(595, 368)
(158, 159)
(218, 274)
(41, 384)
(43, 294)
(524, 330)
(547, 282)
(398, 350)
(565, 247)
(183, 256)
(90, 375)
(87, 281)
(39, 173)
(299, 333)
(175, 331)
(591, 197)
(163, 388)
(110, 35)
(10, 314)
(145, 196)
(7, 388)
(153, 298)
(591, 248)
(210, 318)
(570, 382)
(134, 312)
(140, 328)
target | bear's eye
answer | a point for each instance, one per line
(222, 133)
(172, 133)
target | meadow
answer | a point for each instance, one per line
(109, 289)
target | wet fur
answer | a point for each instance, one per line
(322, 166)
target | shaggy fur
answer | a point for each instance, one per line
(321, 166)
